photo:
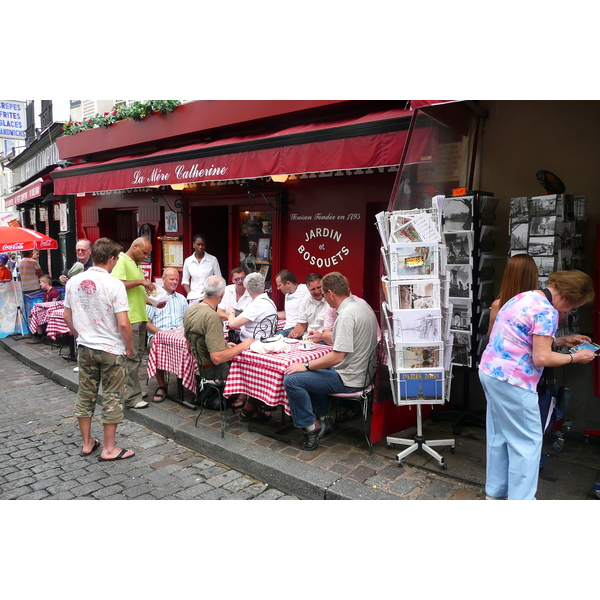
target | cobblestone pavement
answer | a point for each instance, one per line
(40, 457)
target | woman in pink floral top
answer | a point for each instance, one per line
(519, 348)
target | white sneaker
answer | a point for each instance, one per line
(140, 404)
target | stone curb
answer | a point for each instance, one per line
(290, 476)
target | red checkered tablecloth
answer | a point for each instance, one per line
(170, 353)
(261, 375)
(56, 323)
(40, 313)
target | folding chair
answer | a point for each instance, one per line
(265, 327)
(209, 392)
(364, 395)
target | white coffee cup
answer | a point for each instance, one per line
(307, 345)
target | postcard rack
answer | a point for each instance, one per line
(469, 234)
(550, 228)
(414, 327)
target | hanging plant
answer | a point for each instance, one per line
(136, 112)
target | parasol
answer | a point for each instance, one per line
(15, 239)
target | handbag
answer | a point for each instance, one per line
(233, 335)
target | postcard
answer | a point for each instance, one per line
(419, 356)
(421, 387)
(411, 261)
(417, 325)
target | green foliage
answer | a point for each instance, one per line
(136, 112)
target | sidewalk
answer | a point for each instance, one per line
(341, 467)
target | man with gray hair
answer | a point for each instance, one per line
(260, 307)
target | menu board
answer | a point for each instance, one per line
(172, 254)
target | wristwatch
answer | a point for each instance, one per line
(306, 366)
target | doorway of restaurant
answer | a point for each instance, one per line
(213, 223)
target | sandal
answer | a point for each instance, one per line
(253, 416)
(240, 402)
(160, 397)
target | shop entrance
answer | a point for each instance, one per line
(213, 223)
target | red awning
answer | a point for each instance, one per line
(33, 190)
(375, 140)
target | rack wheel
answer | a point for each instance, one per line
(452, 449)
(400, 463)
(443, 465)
(391, 446)
(558, 445)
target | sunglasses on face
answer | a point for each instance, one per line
(239, 278)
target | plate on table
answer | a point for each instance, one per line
(291, 341)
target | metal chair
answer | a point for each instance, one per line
(209, 392)
(265, 327)
(364, 396)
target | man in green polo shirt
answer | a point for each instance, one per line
(129, 272)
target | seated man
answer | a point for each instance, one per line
(260, 307)
(341, 371)
(312, 308)
(50, 294)
(236, 295)
(293, 292)
(169, 316)
(204, 332)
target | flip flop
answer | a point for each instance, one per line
(96, 446)
(120, 456)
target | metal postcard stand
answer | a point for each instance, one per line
(414, 335)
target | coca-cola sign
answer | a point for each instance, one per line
(12, 247)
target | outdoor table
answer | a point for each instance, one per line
(57, 325)
(40, 313)
(170, 353)
(261, 375)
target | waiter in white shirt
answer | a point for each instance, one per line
(196, 268)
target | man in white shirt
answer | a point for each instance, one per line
(169, 316)
(312, 308)
(196, 268)
(294, 292)
(96, 312)
(236, 295)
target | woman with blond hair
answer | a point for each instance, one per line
(519, 348)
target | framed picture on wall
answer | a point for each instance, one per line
(171, 224)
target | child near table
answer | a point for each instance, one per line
(51, 294)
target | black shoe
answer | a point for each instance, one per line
(346, 415)
(327, 424)
(312, 439)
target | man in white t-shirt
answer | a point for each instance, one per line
(294, 292)
(96, 312)
(312, 308)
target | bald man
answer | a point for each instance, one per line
(128, 270)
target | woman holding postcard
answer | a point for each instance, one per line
(519, 348)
